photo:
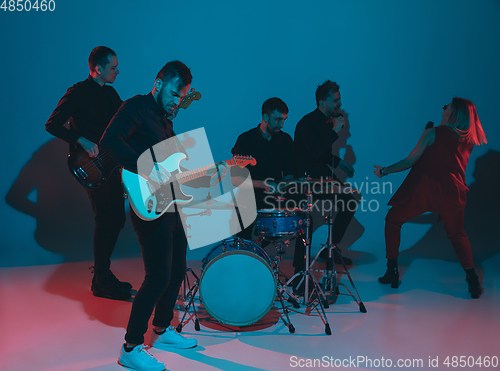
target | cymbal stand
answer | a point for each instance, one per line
(330, 282)
(316, 293)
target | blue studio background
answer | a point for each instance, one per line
(397, 63)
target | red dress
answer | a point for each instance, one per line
(436, 182)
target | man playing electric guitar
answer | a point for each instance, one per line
(89, 106)
(142, 122)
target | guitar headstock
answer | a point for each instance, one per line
(243, 161)
(188, 99)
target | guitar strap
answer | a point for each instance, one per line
(155, 164)
(170, 184)
(180, 147)
(152, 154)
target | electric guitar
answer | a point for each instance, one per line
(93, 172)
(150, 200)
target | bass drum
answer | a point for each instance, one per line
(237, 284)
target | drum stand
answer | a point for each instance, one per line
(190, 294)
(316, 293)
(193, 290)
(281, 288)
(281, 247)
(330, 282)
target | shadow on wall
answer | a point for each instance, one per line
(355, 229)
(46, 190)
(482, 220)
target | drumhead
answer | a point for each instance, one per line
(237, 287)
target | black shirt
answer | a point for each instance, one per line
(313, 146)
(274, 158)
(89, 107)
(138, 125)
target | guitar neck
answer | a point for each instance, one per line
(186, 176)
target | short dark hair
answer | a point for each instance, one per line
(273, 104)
(173, 70)
(325, 89)
(100, 56)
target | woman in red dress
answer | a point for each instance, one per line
(436, 183)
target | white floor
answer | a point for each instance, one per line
(49, 320)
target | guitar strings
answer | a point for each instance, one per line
(193, 174)
(196, 173)
(103, 157)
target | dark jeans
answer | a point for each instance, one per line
(108, 204)
(163, 245)
(453, 225)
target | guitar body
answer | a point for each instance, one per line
(150, 201)
(91, 172)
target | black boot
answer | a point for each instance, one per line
(122, 284)
(104, 286)
(472, 279)
(391, 275)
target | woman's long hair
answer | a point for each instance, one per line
(463, 117)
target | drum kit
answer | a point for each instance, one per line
(239, 282)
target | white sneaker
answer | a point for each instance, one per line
(139, 359)
(171, 339)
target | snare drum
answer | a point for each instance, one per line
(279, 222)
(237, 284)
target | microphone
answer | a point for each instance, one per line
(337, 115)
(429, 125)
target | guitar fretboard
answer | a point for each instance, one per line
(186, 176)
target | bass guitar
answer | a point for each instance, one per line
(150, 200)
(93, 172)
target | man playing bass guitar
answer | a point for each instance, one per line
(89, 106)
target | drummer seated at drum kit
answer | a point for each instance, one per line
(273, 150)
